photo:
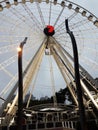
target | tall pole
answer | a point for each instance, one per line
(20, 88)
(77, 78)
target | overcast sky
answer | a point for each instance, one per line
(90, 5)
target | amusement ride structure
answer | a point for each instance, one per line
(59, 41)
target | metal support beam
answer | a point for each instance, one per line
(20, 89)
(64, 73)
(28, 75)
(77, 79)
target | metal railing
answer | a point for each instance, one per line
(41, 125)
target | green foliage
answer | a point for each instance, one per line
(61, 97)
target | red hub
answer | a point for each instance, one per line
(49, 30)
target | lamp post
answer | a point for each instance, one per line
(20, 84)
(77, 78)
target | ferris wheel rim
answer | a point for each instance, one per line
(91, 17)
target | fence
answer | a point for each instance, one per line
(41, 125)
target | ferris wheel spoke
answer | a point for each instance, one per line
(11, 21)
(59, 16)
(78, 24)
(66, 42)
(61, 25)
(9, 85)
(33, 86)
(8, 62)
(50, 9)
(73, 26)
(53, 82)
(32, 16)
(72, 16)
(40, 13)
(8, 48)
(62, 36)
(92, 50)
(6, 71)
(63, 32)
(20, 17)
(89, 61)
(88, 29)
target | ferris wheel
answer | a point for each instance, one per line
(30, 18)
